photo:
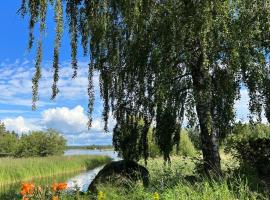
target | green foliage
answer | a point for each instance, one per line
(8, 141)
(175, 183)
(127, 138)
(39, 143)
(153, 148)
(251, 145)
(186, 147)
(8, 144)
(158, 58)
(36, 143)
(194, 135)
(2, 128)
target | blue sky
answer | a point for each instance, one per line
(68, 112)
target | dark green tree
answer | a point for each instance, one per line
(159, 60)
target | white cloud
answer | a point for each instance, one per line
(72, 121)
(65, 120)
(19, 125)
(16, 82)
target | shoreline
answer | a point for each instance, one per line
(60, 165)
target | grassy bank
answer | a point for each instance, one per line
(181, 182)
(22, 169)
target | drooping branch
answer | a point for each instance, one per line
(58, 17)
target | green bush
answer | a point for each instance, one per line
(186, 147)
(41, 143)
(251, 145)
(152, 146)
(195, 137)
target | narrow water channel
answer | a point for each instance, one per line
(83, 180)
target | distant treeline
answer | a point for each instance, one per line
(91, 147)
(32, 144)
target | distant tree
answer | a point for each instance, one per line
(158, 59)
(8, 144)
(2, 128)
(41, 143)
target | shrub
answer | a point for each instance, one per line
(186, 147)
(251, 145)
(153, 148)
(195, 137)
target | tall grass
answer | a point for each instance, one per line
(180, 182)
(22, 169)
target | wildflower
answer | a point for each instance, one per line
(59, 186)
(23, 192)
(62, 186)
(101, 195)
(27, 188)
(155, 196)
(55, 198)
(54, 186)
(25, 198)
(39, 189)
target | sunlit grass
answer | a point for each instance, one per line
(22, 169)
(180, 182)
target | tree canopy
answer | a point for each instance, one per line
(161, 60)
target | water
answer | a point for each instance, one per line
(83, 180)
(80, 180)
(109, 153)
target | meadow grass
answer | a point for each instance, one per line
(180, 181)
(23, 169)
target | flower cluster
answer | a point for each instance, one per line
(59, 186)
(30, 192)
(101, 195)
(155, 196)
(27, 190)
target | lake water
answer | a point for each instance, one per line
(83, 180)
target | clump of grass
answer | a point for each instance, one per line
(22, 169)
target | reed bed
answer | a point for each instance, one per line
(23, 169)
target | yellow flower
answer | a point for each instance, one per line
(155, 196)
(101, 195)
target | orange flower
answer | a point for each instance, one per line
(54, 186)
(62, 186)
(59, 186)
(25, 198)
(55, 198)
(27, 188)
(23, 192)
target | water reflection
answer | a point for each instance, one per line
(83, 180)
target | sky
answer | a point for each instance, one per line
(68, 112)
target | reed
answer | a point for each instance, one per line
(23, 169)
